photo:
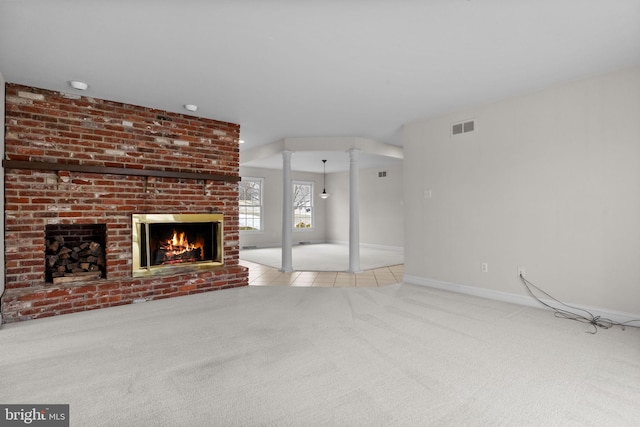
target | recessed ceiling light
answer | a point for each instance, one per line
(78, 85)
(191, 107)
(241, 141)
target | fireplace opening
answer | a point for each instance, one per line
(162, 242)
(176, 243)
(75, 252)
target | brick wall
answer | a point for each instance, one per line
(46, 126)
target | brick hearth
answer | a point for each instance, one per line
(71, 160)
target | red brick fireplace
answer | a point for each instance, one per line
(77, 169)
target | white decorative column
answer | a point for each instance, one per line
(287, 213)
(354, 213)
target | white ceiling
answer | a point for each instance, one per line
(313, 68)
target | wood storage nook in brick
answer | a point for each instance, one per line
(77, 169)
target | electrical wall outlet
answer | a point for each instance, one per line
(484, 267)
(521, 272)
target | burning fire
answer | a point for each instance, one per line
(179, 242)
(178, 249)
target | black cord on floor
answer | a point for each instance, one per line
(588, 317)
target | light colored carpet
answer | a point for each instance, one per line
(400, 355)
(324, 257)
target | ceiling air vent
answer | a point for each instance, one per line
(463, 127)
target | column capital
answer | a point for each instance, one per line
(286, 154)
(354, 154)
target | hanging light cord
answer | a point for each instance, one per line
(324, 176)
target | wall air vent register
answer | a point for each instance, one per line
(463, 127)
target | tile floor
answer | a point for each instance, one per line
(262, 275)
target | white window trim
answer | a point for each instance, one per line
(261, 230)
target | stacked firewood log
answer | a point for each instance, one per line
(74, 261)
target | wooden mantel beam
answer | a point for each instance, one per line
(30, 165)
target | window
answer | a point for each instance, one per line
(250, 190)
(302, 205)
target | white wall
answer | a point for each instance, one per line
(549, 181)
(271, 235)
(380, 203)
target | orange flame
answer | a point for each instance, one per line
(180, 241)
(179, 244)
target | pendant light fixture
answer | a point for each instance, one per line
(324, 193)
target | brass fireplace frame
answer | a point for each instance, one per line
(140, 223)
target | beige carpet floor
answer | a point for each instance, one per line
(398, 355)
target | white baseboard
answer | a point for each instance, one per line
(279, 244)
(383, 247)
(369, 245)
(615, 316)
(316, 242)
